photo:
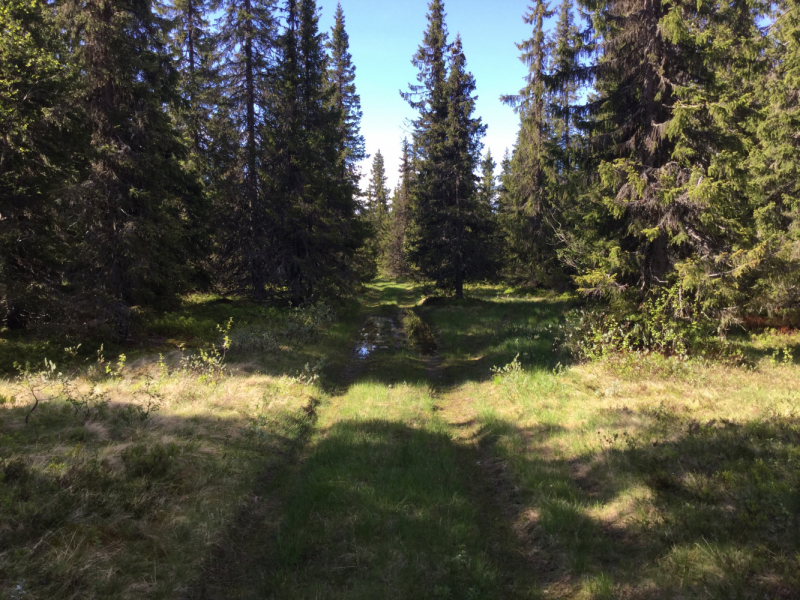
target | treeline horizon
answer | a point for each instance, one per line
(151, 149)
(657, 160)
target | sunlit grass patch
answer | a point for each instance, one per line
(119, 486)
(373, 400)
(644, 475)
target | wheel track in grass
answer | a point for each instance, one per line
(244, 552)
(239, 562)
(491, 487)
(242, 564)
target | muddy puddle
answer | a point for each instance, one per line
(378, 333)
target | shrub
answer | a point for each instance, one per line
(419, 332)
(664, 324)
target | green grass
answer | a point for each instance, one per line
(495, 468)
(120, 504)
(641, 477)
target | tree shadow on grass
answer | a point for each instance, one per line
(379, 509)
(676, 509)
(111, 503)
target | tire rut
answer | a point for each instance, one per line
(245, 552)
(495, 496)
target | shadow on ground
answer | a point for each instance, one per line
(677, 509)
(381, 509)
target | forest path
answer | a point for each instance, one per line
(492, 470)
(389, 496)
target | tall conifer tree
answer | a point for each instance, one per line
(41, 140)
(398, 218)
(528, 187)
(671, 171)
(377, 193)
(247, 32)
(315, 233)
(467, 223)
(196, 45)
(564, 81)
(135, 198)
(487, 191)
(449, 238)
(774, 186)
(341, 78)
(377, 210)
(429, 98)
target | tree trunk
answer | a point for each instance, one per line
(460, 285)
(251, 186)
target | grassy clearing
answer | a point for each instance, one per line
(495, 468)
(132, 471)
(641, 477)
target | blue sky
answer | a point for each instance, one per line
(384, 35)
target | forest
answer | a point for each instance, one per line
(236, 363)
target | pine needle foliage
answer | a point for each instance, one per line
(134, 200)
(449, 239)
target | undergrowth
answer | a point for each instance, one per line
(117, 476)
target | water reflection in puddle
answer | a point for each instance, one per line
(378, 333)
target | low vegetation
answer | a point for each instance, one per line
(211, 464)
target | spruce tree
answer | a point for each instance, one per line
(468, 224)
(528, 197)
(377, 193)
(41, 139)
(398, 218)
(487, 191)
(430, 98)
(450, 239)
(196, 46)
(133, 202)
(671, 168)
(247, 32)
(315, 232)
(377, 210)
(563, 82)
(774, 159)
(341, 78)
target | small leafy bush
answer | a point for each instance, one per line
(511, 369)
(85, 404)
(664, 324)
(34, 383)
(209, 363)
(309, 375)
(419, 332)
